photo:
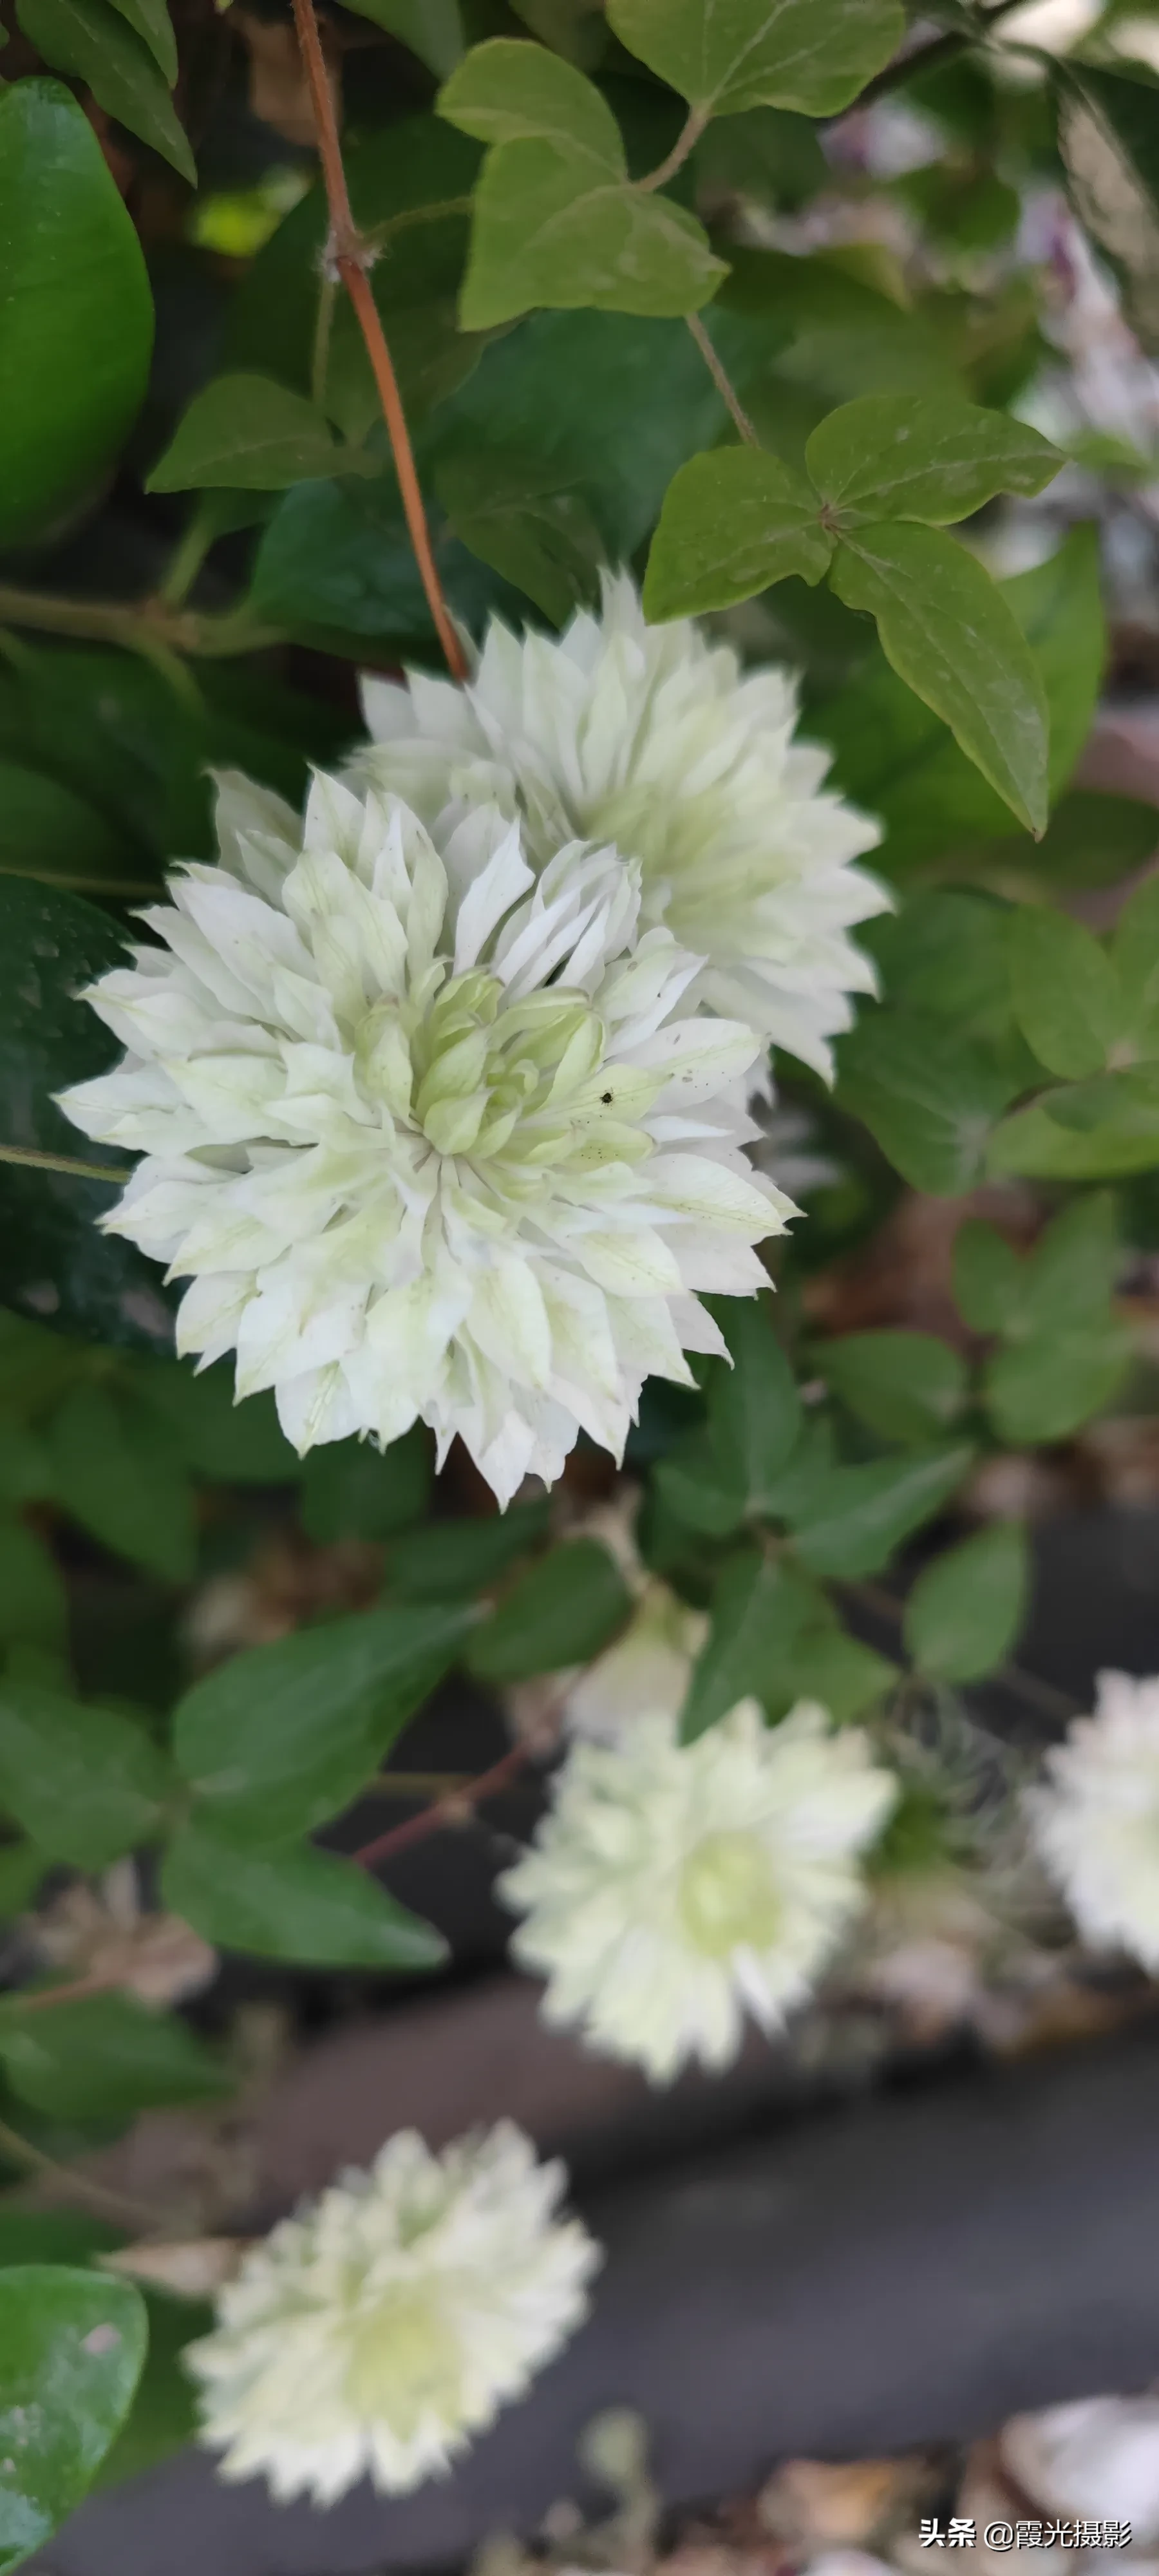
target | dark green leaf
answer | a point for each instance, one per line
(450, 1560)
(48, 833)
(723, 55)
(759, 1608)
(21, 1871)
(118, 1470)
(864, 1513)
(519, 516)
(896, 456)
(950, 635)
(754, 1410)
(564, 1610)
(929, 1096)
(732, 523)
(231, 1443)
(52, 1260)
(300, 1904)
(71, 2350)
(91, 38)
(432, 28)
(105, 2058)
(285, 1736)
(965, 1611)
(906, 1386)
(51, 2235)
(164, 2412)
(246, 433)
(85, 1784)
(1066, 992)
(351, 1490)
(76, 323)
(33, 1602)
(151, 21)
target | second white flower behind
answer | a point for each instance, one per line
(1095, 1821)
(673, 1887)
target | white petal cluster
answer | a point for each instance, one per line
(672, 1888)
(429, 1135)
(1095, 1823)
(652, 738)
(379, 2329)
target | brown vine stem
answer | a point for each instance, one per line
(111, 2204)
(350, 256)
(722, 380)
(81, 1171)
(446, 1811)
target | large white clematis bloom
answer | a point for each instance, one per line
(673, 1887)
(1095, 1821)
(653, 738)
(428, 1135)
(381, 2327)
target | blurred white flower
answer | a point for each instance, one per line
(1095, 1823)
(379, 2329)
(649, 1666)
(428, 1135)
(1099, 2458)
(673, 1887)
(653, 738)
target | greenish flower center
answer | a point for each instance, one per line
(404, 2361)
(728, 1899)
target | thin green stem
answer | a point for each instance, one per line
(36, 1161)
(686, 141)
(144, 626)
(722, 380)
(188, 556)
(111, 2204)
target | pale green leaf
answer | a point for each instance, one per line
(508, 91)
(899, 456)
(1065, 990)
(732, 523)
(246, 433)
(950, 635)
(546, 232)
(965, 1610)
(724, 55)
(863, 1513)
(905, 1386)
(988, 1277)
(930, 1095)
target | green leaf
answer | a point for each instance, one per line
(965, 1610)
(759, 1607)
(897, 456)
(732, 523)
(118, 1471)
(33, 1601)
(72, 2347)
(52, 1259)
(1108, 138)
(557, 220)
(564, 1610)
(151, 21)
(530, 524)
(1071, 1273)
(450, 1560)
(21, 1871)
(92, 39)
(1065, 990)
(300, 1904)
(231, 1443)
(104, 2059)
(929, 1095)
(1045, 1389)
(351, 1490)
(1092, 840)
(904, 1385)
(245, 433)
(51, 2235)
(164, 2413)
(48, 833)
(950, 635)
(432, 28)
(754, 1411)
(724, 55)
(988, 1277)
(85, 1784)
(285, 1736)
(1035, 1143)
(828, 1665)
(863, 1513)
(1135, 956)
(76, 322)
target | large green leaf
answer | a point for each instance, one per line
(105, 2058)
(300, 1904)
(76, 319)
(930, 1095)
(905, 1386)
(119, 1470)
(72, 2347)
(894, 456)
(732, 523)
(965, 1610)
(285, 1736)
(558, 221)
(863, 1513)
(93, 39)
(526, 518)
(84, 1783)
(949, 634)
(53, 1262)
(564, 1610)
(725, 55)
(1066, 992)
(759, 1608)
